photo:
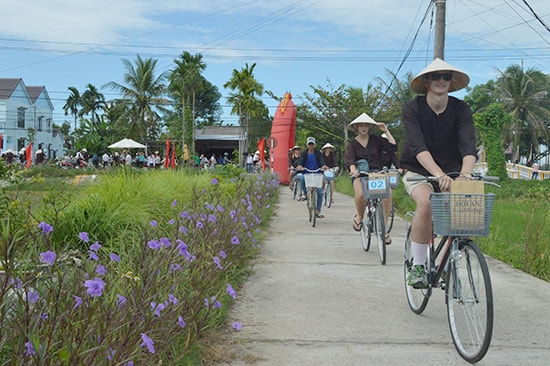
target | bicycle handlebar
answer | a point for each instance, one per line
(487, 179)
(311, 171)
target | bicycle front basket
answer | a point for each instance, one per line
(462, 214)
(313, 180)
(375, 186)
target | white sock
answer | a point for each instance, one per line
(419, 252)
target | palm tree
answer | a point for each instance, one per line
(244, 99)
(73, 103)
(92, 101)
(522, 93)
(144, 92)
(185, 81)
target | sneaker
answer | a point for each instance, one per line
(417, 278)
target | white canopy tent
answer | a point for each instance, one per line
(127, 144)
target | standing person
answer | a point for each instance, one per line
(105, 158)
(535, 168)
(312, 159)
(365, 153)
(249, 162)
(439, 139)
(330, 159)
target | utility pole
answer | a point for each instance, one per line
(439, 38)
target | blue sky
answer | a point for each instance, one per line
(296, 44)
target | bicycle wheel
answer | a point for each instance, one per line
(390, 217)
(470, 302)
(313, 209)
(295, 189)
(380, 230)
(328, 195)
(417, 298)
(366, 229)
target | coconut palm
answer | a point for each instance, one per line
(144, 92)
(185, 82)
(522, 92)
(73, 103)
(244, 96)
(92, 101)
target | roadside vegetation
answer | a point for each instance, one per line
(520, 225)
(136, 268)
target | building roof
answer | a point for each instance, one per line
(7, 86)
(34, 92)
(218, 133)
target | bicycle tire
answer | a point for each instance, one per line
(313, 209)
(366, 229)
(469, 298)
(380, 230)
(295, 189)
(328, 196)
(391, 217)
(417, 298)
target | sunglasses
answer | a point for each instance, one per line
(436, 76)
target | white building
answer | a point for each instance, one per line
(23, 107)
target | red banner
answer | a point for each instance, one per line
(261, 149)
(28, 155)
(167, 155)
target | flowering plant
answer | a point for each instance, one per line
(142, 304)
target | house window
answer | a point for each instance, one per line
(21, 117)
(40, 121)
(48, 125)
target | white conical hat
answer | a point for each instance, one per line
(327, 145)
(460, 78)
(363, 118)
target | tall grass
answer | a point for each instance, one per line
(520, 226)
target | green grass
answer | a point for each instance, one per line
(520, 225)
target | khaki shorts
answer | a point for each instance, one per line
(410, 186)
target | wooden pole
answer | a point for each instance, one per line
(439, 37)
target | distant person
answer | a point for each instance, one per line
(312, 159)
(535, 169)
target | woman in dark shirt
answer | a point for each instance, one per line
(370, 148)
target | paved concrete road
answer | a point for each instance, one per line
(316, 298)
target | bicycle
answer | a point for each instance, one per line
(375, 188)
(312, 182)
(457, 266)
(329, 182)
(394, 183)
(296, 185)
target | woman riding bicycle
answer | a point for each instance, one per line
(440, 138)
(330, 159)
(312, 159)
(369, 149)
(293, 162)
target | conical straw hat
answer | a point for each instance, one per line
(363, 118)
(460, 78)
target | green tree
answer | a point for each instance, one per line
(73, 103)
(489, 125)
(244, 98)
(92, 101)
(185, 82)
(522, 91)
(144, 92)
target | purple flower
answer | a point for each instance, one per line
(121, 300)
(185, 215)
(172, 299)
(237, 326)
(147, 342)
(93, 255)
(78, 301)
(46, 228)
(154, 244)
(84, 237)
(233, 213)
(199, 224)
(211, 218)
(48, 257)
(220, 208)
(182, 229)
(217, 304)
(217, 261)
(231, 291)
(30, 349)
(95, 246)
(235, 240)
(100, 270)
(181, 322)
(171, 222)
(174, 202)
(154, 223)
(33, 296)
(175, 267)
(114, 257)
(165, 242)
(214, 181)
(222, 254)
(158, 309)
(95, 286)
